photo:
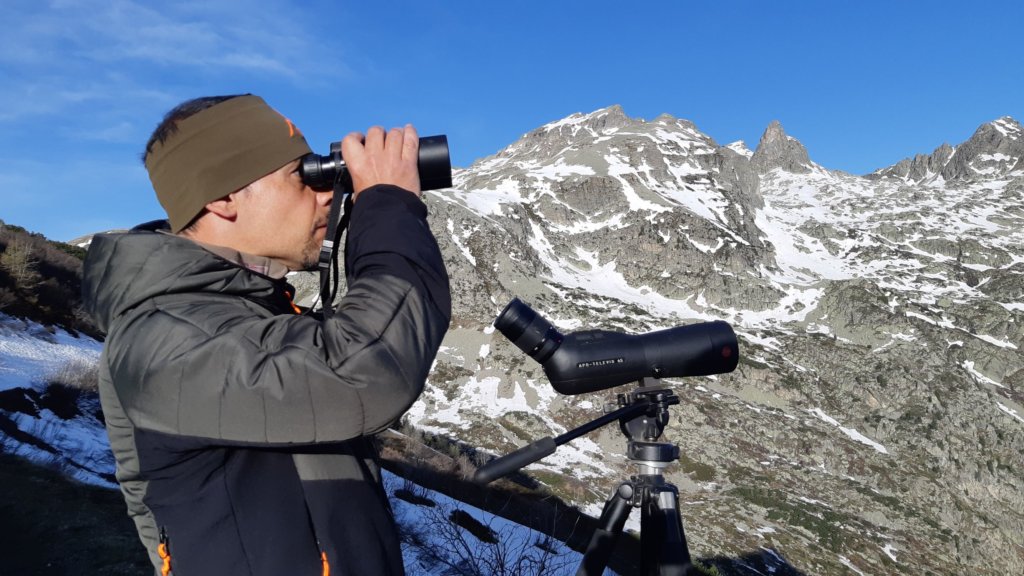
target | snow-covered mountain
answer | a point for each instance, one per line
(875, 424)
(876, 421)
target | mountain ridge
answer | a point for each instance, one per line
(879, 313)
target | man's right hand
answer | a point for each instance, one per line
(383, 158)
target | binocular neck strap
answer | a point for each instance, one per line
(337, 222)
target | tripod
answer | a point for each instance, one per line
(642, 416)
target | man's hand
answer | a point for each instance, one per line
(380, 158)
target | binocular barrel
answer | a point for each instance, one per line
(435, 166)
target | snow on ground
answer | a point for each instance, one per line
(29, 353)
(852, 433)
(459, 546)
(587, 273)
(485, 398)
(978, 376)
(486, 202)
(890, 551)
(861, 217)
(846, 562)
(1009, 411)
(459, 241)
(82, 446)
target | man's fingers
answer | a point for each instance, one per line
(393, 145)
(383, 158)
(352, 145)
(374, 139)
(410, 143)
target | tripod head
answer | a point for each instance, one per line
(642, 416)
(644, 430)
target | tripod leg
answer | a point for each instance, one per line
(663, 541)
(613, 518)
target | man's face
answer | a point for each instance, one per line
(283, 218)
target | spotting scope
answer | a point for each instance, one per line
(592, 360)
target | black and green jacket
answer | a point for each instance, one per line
(240, 427)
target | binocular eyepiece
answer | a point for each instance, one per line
(593, 360)
(435, 166)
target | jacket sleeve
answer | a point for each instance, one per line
(242, 377)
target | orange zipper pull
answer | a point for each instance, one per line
(292, 302)
(164, 553)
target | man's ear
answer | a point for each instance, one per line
(226, 207)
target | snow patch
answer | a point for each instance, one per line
(846, 562)
(30, 353)
(852, 433)
(890, 551)
(1010, 411)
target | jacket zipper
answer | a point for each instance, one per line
(164, 551)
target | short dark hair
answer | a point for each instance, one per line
(169, 125)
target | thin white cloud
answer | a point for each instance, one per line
(225, 34)
(57, 54)
(25, 96)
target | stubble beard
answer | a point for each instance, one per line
(311, 251)
(311, 254)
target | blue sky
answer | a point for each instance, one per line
(862, 84)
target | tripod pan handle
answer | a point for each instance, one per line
(511, 462)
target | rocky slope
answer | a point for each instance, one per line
(876, 421)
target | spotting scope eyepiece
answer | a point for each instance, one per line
(592, 360)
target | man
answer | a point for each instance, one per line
(240, 426)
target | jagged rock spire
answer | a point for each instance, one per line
(779, 150)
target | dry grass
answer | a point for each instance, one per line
(78, 374)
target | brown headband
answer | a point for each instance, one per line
(218, 151)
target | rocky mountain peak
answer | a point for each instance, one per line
(998, 134)
(740, 147)
(779, 150)
(555, 136)
(611, 117)
(1009, 127)
(598, 121)
(995, 149)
